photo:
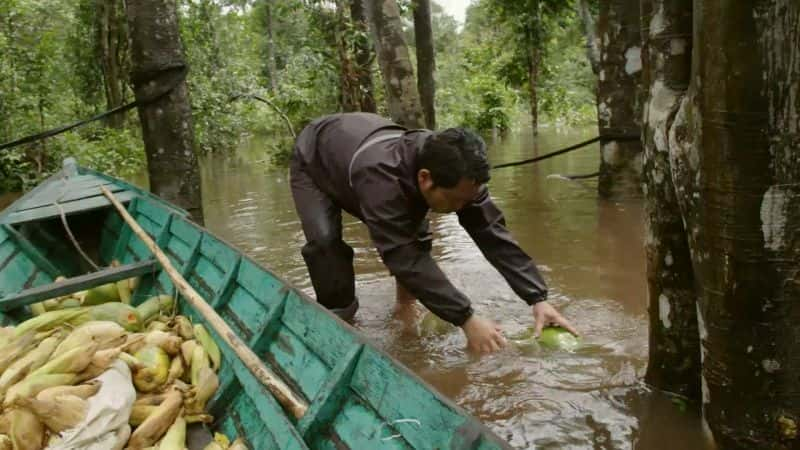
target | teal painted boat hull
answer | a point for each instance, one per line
(358, 396)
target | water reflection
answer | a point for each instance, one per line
(591, 253)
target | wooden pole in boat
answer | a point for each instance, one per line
(278, 388)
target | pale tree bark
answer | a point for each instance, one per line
(112, 49)
(618, 103)
(158, 62)
(674, 364)
(364, 57)
(426, 61)
(398, 74)
(737, 165)
(590, 31)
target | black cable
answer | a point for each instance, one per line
(117, 110)
(548, 155)
(620, 137)
(583, 176)
(183, 70)
(64, 128)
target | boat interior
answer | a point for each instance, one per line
(358, 397)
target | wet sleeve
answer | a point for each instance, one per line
(385, 208)
(485, 223)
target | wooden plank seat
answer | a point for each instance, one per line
(77, 284)
(90, 202)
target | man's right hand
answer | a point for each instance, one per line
(483, 336)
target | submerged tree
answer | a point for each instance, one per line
(674, 340)
(167, 129)
(618, 103)
(532, 30)
(426, 62)
(727, 150)
(398, 74)
(736, 168)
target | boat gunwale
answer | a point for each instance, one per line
(470, 423)
(361, 339)
(8, 210)
(59, 175)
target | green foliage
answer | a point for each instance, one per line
(33, 66)
(116, 152)
(302, 98)
(50, 74)
(470, 95)
(92, 148)
(222, 60)
(16, 170)
(483, 74)
(469, 91)
(307, 71)
(81, 48)
(36, 85)
(567, 85)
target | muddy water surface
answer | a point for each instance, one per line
(591, 253)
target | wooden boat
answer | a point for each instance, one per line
(358, 396)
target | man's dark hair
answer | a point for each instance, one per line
(453, 154)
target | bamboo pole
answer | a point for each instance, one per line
(285, 396)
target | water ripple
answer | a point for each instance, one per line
(590, 252)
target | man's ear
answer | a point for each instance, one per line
(424, 179)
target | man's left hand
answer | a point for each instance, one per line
(545, 314)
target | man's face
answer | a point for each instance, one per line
(446, 200)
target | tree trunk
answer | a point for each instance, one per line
(398, 75)
(349, 88)
(272, 72)
(112, 43)
(592, 40)
(535, 42)
(167, 129)
(737, 165)
(364, 56)
(426, 61)
(618, 105)
(674, 341)
(533, 78)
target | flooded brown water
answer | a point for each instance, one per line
(7, 198)
(591, 253)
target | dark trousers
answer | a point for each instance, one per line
(328, 258)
